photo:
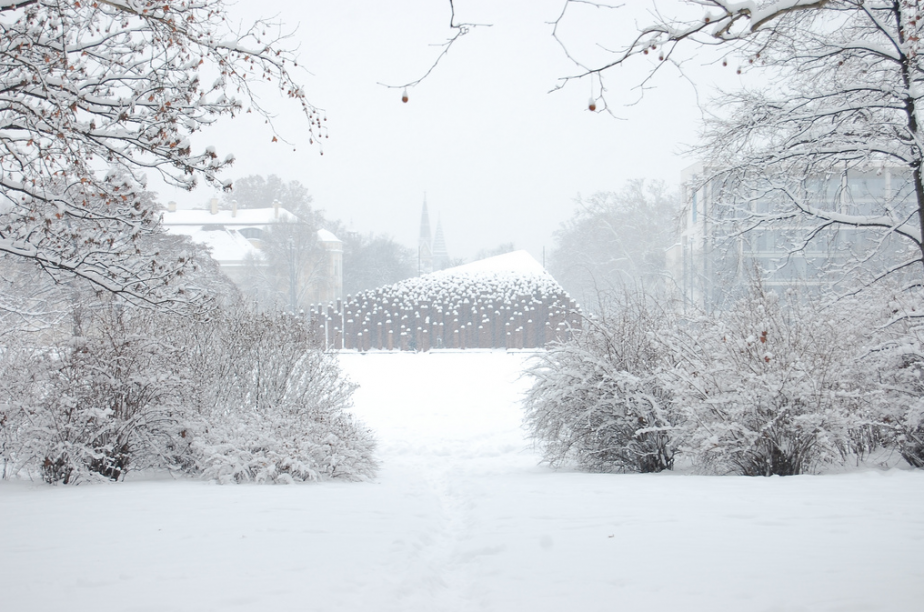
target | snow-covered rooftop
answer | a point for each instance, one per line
(517, 262)
(243, 217)
(220, 231)
(227, 246)
(326, 236)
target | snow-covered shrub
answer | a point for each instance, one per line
(910, 434)
(234, 396)
(598, 399)
(893, 369)
(269, 405)
(14, 374)
(95, 404)
(769, 386)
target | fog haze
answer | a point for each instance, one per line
(499, 158)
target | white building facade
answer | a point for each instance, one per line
(728, 238)
(235, 238)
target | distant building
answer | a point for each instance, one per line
(329, 284)
(235, 238)
(722, 243)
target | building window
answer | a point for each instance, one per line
(694, 207)
(251, 233)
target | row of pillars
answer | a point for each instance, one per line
(364, 324)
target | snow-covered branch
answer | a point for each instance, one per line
(97, 89)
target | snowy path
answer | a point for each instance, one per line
(461, 518)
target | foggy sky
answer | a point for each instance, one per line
(499, 158)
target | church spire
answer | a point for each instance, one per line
(424, 244)
(440, 253)
(425, 222)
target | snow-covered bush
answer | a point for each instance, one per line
(598, 399)
(775, 385)
(893, 370)
(13, 386)
(95, 404)
(769, 386)
(269, 405)
(910, 438)
(234, 396)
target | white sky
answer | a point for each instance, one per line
(500, 158)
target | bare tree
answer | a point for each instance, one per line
(458, 30)
(294, 253)
(95, 93)
(285, 273)
(371, 261)
(839, 106)
(615, 240)
(27, 305)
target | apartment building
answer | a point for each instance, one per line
(810, 231)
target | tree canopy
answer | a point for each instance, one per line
(839, 93)
(93, 95)
(372, 261)
(615, 240)
(256, 191)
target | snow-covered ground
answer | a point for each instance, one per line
(462, 518)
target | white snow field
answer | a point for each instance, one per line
(463, 518)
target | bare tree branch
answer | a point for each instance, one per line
(461, 29)
(92, 95)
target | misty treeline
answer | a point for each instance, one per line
(777, 384)
(616, 241)
(93, 387)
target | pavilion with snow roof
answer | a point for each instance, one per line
(503, 302)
